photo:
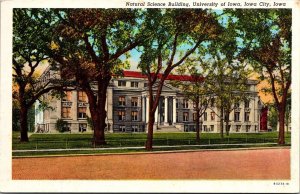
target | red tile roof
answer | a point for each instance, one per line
(137, 74)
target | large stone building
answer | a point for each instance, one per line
(127, 107)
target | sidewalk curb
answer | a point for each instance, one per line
(152, 152)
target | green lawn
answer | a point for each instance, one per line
(62, 141)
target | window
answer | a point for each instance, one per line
(67, 96)
(177, 117)
(82, 112)
(194, 116)
(66, 112)
(204, 128)
(176, 103)
(212, 102)
(134, 101)
(212, 128)
(122, 83)
(247, 116)
(134, 115)
(66, 127)
(122, 128)
(226, 117)
(145, 85)
(185, 116)
(237, 128)
(82, 96)
(185, 103)
(236, 116)
(121, 115)
(248, 127)
(228, 127)
(82, 127)
(134, 84)
(121, 100)
(212, 116)
(247, 103)
(205, 116)
(135, 128)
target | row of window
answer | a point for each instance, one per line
(185, 103)
(211, 128)
(133, 84)
(81, 96)
(122, 101)
(122, 115)
(82, 127)
(133, 128)
(66, 112)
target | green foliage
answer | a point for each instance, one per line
(48, 141)
(174, 32)
(267, 46)
(31, 40)
(60, 125)
(272, 117)
(92, 40)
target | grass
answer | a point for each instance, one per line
(63, 141)
(128, 151)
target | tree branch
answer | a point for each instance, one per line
(104, 47)
(124, 50)
(189, 52)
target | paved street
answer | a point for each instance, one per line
(235, 164)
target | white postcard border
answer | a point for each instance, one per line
(9, 185)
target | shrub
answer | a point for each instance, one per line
(61, 125)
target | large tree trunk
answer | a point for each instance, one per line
(281, 111)
(227, 123)
(197, 124)
(99, 128)
(149, 141)
(197, 130)
(23, 121)
(222, 123)
(97, 108)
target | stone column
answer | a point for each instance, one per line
(109, 109)
(156, 116)
(166, 111)
(147, 109)
(74, 108)
(174, 110)
(143, 109)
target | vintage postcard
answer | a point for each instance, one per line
(150, 96)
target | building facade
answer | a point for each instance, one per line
(127, 108)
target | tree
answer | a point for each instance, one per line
(176, 34)
(272, 116)
(230, 87)
(267, 46)
(288, 112)
(198, 89)
(88, 44)
(30, 43)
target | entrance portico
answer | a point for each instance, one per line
(165, 114)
